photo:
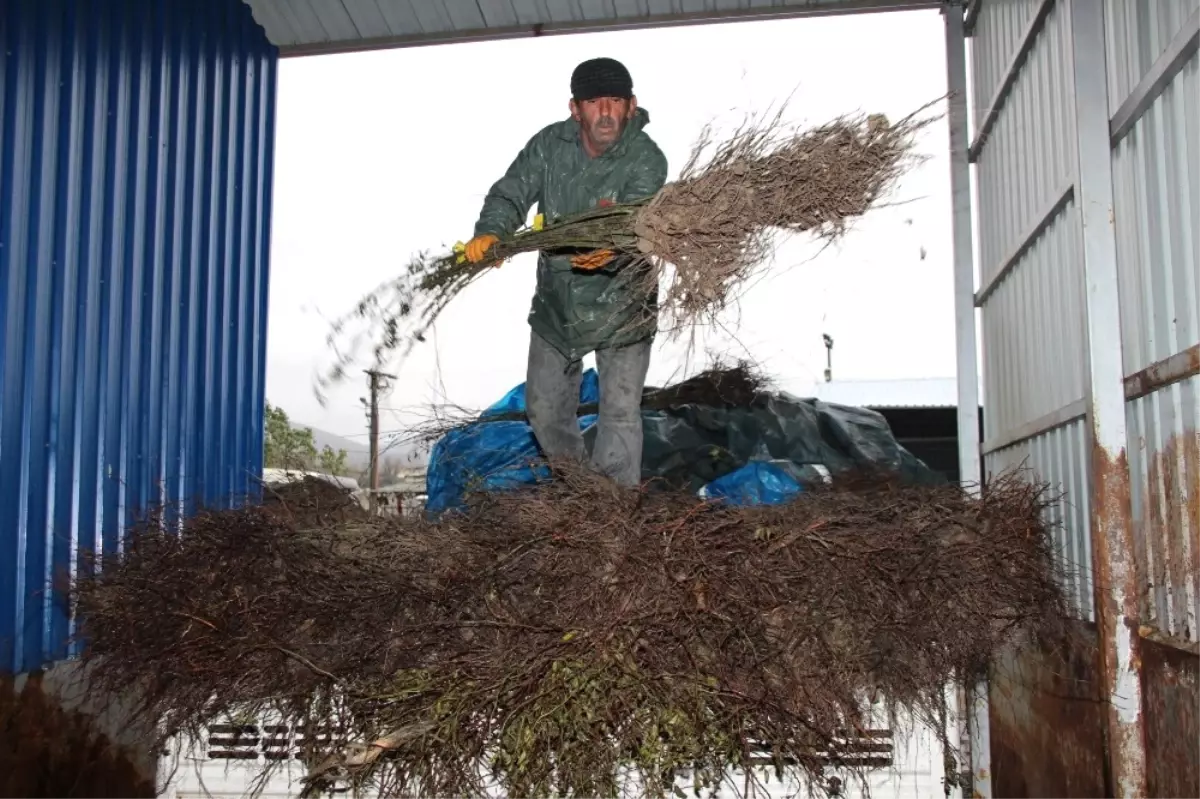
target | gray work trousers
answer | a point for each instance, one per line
(552, 404)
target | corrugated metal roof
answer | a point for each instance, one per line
(310, 27)
(135, 192)
(931, 392)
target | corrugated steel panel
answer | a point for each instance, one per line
(1061, 458)
(1156, 186)
(1164, 457)
(1033, 337)
(305, 27)
(1032, 287)
(1136, 33)
(1156, 183)
(1030, 157)
(998, 31)
(135, 181)
(1059, 145)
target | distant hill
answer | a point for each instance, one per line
(358, 452)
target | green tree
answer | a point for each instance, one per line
(289, 447)
(331, 462)
(284, 446)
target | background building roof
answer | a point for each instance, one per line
(932, 392)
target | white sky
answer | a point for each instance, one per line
(380, 155)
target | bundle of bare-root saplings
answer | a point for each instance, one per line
(571, 637)
(696, 242)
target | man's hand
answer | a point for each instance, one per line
(592, 260)
(477, 247)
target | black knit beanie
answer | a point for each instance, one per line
(601, 77)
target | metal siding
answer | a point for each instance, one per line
(464, 13)
(430, 16)
(1156, 184)
(1033, 338)
(365, 15)
(1136, 34)
(527, 12)
(310, 23)
(1060, 457)
(497, 13)
(135, 176)
(998, 31)
(1156, 176)
(1164, 429)
(602, 9)
(399, 16)
(1028, 158)
(1033, 316)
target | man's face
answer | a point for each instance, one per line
(602, 120)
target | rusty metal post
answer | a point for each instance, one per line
(1113, 550)
(972, 701)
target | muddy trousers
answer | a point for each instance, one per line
(552, 403)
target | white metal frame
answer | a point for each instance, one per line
(974, 733)
(1114, 551)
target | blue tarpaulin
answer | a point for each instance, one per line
(493, 455)
(756, 483)
(760, 454)
(514, 400)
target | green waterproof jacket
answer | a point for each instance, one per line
(578, 311)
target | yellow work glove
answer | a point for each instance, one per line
(592, 260)
(477, 247)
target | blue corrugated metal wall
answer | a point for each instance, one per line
(136, 141)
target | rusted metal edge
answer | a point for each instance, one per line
(1063, 416)
(1028, 38)
(1156, 635)
(1040, 223)
(1114, 545)
(1179, 51)
(1048, 724)
(1171, 680)
(1161, 374)
(1117, 611)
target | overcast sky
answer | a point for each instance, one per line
(380, 155)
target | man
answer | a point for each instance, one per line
(584, 302)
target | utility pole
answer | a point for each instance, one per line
(376, 385)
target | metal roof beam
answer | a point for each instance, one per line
(810, 9)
